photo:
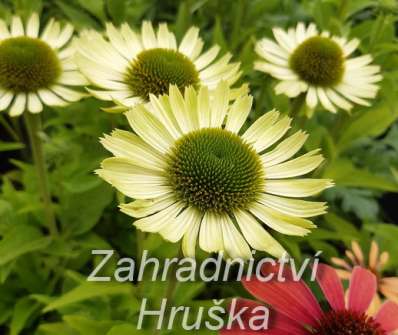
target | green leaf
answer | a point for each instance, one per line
(79, 19)
(126, 329)
(372, 122)
(19, 240)
(56, 328)
(10, 146)
(23, 310)
(95, 7)
(82, 211)
(88, 290)
(117, 10)
(344, 173)
(87, 326)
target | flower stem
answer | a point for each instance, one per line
(297, 105)
(34, 126)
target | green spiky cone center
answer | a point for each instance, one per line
(27, 64)
(215, 170)
(154, 70)
(318, 61)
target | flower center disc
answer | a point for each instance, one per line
(154, 70)
(348, 323)
(27, 64)
(318, 61)
(213, 169)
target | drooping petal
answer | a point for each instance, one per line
(363, 287)
(331, 286)
(387, 317)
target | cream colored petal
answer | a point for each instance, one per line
(260, 125)
(73, 78)
(149, 128)
(356, 249)
(271, 135)
(161, 106)
(128, 145)
(270, 47)
(206, 58)
(67, 94)
(188, 41)
(270, 56)
(285, 150)
(338, 100)
(144, 207)
(295, 167)
(256, 235)
(5, 100)
(51, 33)
(189, 240)
(357, 62)
(191, 107)
(178, 227)
(177, 104)
(350, 47)
(234, 244)
(311, 98)
(51, 99)
(163, 36)
(117, 40)
(293, 207)
(148, 35)
(131, 39)
(33, 26)
(4, 33)
(238, 113)
(323, 98)
(134, 181)
(284, 40)
(215, 68)
(19, 105)
(198, 47)
(282, 223)
(297, 188)
(16, 27)
(156, 222)
(282, 73)
(204, 107)
(64, 36)
(342, 263)
(300, 32)
(34, 103)
(219, 105)
(210, 235)
(292, 88)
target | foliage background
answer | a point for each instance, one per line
(43, 288)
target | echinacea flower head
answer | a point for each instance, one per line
(36, 69)
(296, 310)
(194, 176)
(127, 67)
(319, 65)
(375, 262)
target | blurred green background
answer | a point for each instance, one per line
(43, 288)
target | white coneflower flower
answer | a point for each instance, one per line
(320, 65)
(193, 175)
(127, 67)
(35, 69)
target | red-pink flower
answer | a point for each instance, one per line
(295, 310)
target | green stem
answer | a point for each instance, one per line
(33, 125)
(297, 105)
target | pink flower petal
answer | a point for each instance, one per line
(278, 323)
(387, 317)
(331, 286)
(291, 298)
(363, 287)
